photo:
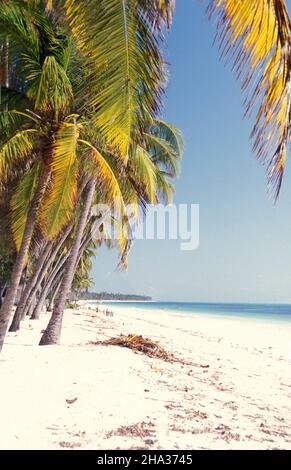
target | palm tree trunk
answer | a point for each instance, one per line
(55, 291)
(55, 274)
(32, 305)
(44, 291)
(35, 292)
(36, 309)
(7, 307)
(18, 315)
(45, 269)
(87, 239)
(52, 333)
(27, 308)
(93, 231)
(2, 290)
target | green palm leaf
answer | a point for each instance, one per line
(163, 154)
(60, 202)
(159, 11)
(170, 134)
(165, 189)
(127, 64)
(50, 87)
(20, 202)
(144, 171)
(165, 144)
(107, 181)
(15, 151)
(16, 26)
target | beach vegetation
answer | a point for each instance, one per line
(81, 124)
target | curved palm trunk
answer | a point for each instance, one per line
(55, 291)
(29, 304)
(32, 305)
(7, 307)
(87, 239)
(55, 273)
(45, 269)
(93, 231)
(56, 280)
(47, 286)
(2, 290)
(52, 333)
(35, 293)
(18, 315)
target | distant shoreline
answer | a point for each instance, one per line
(115, 300)
(255, 312)
(193, 302)
(111, 297)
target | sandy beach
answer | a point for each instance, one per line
(230, 390)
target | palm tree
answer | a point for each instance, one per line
(43, 260)
(114, 107)
(53, 330)
(127, 74)
(40, 58)
(143, 180)
(82, 280)
(255, 35)
(110, 107)
(7, 252)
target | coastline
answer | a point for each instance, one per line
(231, 389)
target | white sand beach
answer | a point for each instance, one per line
(232, 392)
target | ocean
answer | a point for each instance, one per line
(275, 312)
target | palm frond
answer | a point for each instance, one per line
(144, 172)
(20, 202)
(9, 123)
(107, 182)
(165, 144)
(170, 134)
(166, 10)
(38, 55)
(126, 64)
(59, 203)
(256, 35)
(50, 87)
(15, 150)
(21, 34)
(160, 12)
(49, 5)
(165, 189)
(13, 119)
(163, 154)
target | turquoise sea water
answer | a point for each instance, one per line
(258, 311)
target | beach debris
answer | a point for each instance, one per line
(150, 348)
(142, 430)
(70, 401)
(69, 445)
(139, 344)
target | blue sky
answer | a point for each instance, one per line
(245, 241)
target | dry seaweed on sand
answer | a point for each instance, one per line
(139, 344)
